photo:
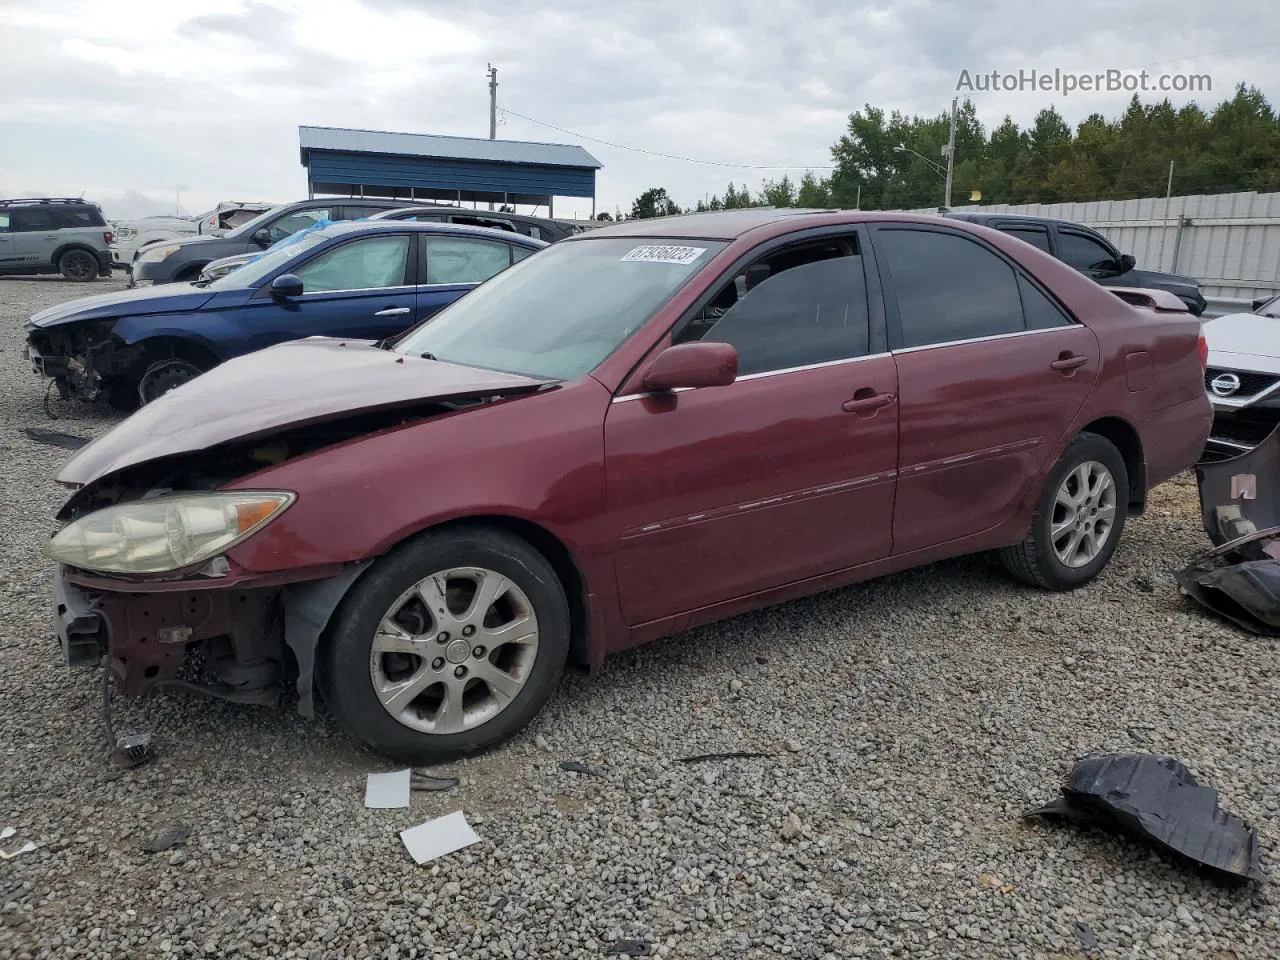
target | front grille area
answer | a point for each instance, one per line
(1250, 383)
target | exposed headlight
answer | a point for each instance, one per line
(159, 252)
(167, 533)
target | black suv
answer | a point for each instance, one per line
(1089, 252)
(54, 235)
(181, 260)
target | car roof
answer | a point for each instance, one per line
(465, 212)
(345, 227)
(732, 224)
(975, 217)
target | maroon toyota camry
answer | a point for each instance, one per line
(640, 429)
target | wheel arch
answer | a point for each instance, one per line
(70, 245)
(554, 551)
(1125, 438)
(165, 346)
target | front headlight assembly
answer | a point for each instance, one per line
(158, 252)
(166, 533)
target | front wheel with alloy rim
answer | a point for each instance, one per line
(447, 646)
(79, 266)
(1078, 519)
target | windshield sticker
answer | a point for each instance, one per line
(660, 253)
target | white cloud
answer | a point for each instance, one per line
(143, 95)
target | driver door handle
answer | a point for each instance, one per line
(867, 402)
(392, 312)
(1069, 362)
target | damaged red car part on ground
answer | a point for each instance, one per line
(641, 429)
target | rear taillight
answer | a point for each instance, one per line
(108, 236)
(1202, 348)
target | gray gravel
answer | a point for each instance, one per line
(909, 722)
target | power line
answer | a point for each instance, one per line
(668, 156)
(1212, 53)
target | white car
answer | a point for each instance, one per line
(1243, 378)
(132, 235)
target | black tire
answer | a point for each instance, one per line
(163, 376)
(1034, 560)
(78, 266)
(345, 661)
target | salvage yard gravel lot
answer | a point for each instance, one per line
(908, 723)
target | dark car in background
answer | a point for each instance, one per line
(570, 461)
(364, 280)
(1089, 252)
(182, 260)
(540, 228)
(63, 235)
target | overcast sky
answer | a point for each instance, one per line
(126, 100)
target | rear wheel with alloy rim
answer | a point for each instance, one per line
(447, 646)
(79, 266)
(1078, 519)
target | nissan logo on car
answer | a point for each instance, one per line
(1225, 384)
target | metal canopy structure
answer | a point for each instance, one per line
(420, 166)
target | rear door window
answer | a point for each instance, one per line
(29, 221)
(464, 259)
(948, 287)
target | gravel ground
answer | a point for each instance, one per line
(909, 722)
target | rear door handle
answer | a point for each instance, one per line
(865, 401)
(1069, 363)
(392, 312)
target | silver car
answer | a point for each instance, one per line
(63, 235)
(1243, 378)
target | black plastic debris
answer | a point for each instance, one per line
(175, 836)
(55, 438)
(1157, 798)
(425, 781)
(573, 766)
(1246, 593)
(628, 948)
(1088, 939)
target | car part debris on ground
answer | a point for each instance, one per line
(1158, 798)
(628, 948)
(427, 782)
(1239, 578)
(6, 834)
(131, 750)
(55, 438)
(386, 791)
(435, 838)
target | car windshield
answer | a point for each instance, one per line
(251, 274)
(1271, 309)
(247, 228)
(558, 314)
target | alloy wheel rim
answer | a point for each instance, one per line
(1084, 514)
(454, 650)
(80, 266)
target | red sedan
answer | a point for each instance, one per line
(635, 431)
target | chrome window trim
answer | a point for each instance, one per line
(762, 374)
(994, 336)
(402, 288)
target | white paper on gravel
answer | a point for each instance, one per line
(437, 837)
(387, 791)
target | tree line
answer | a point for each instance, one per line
(891, 161)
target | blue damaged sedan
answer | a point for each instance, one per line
(367, 280)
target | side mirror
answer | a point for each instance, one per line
(262, 237)
(286, 286)
(1127, 262)
(698, 364)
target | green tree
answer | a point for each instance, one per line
(654, 202)
(814, 191)
(778, 193)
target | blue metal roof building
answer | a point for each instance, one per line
(419, 166)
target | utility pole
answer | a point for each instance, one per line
(493, 107)
(951, 152)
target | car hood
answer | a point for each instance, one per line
(285, 386)
(162, 299)
(1244, 334)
